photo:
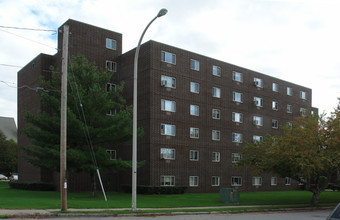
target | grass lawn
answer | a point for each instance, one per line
(22, 199)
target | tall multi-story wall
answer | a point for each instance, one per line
(197, 112)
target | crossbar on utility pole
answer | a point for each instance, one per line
(63, 120)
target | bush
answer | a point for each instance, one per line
(156, 189)
(35, 186)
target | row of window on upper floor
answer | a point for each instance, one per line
(216, 71)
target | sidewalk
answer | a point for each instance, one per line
(173, 211)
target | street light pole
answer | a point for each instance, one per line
(134, 127)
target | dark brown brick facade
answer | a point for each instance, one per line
(90, 41)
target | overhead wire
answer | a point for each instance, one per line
(28, 29)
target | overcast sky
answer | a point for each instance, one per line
(294, 40)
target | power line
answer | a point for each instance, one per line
(9, 65)
(27, 29)
(37, 89)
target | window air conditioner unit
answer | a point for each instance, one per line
(163, 156)
(256, 83)
(163, 82)
(256, 102)
(256, 122)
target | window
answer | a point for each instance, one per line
(168, 57)
(216, 114)
(194, 110)
(258, 82)
(193, 181)
(111, 87)
(167, 129)
(288, 181)
(167, 153)
(273, 181)
(111, 44)
(167, 180)
(215, 181)
(237, 97)
(275, 123)
(303, 95)
(258, 121)
(237, 117)
(235, 157)
(289, 91)
(215, 135)
(113, 154)
(236, 181)
(216, 156)
(303, 112)
(194, 65)
(275, 105)
(168, 81)
(257, 139)
(289, 108)
(111, 66)
(290, 124)
(194, 87)
(258, 102)
(237, 137)
(238, 77)
(194, 132)
(216, 71)
(257, 181)
(275, 87)
(216, 92)
(194, 155)
(112, 112)
(167, 105)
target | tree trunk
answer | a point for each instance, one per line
(315, 197)
(94, 185)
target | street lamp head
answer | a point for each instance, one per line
(162, 12)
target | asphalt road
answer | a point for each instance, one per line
(300, 215)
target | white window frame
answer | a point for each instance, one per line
(288, 181)
(194, 87)
(167, 180)
(273, 181)
(237, 117)
(258, 82)
(194, 110)
(258, 102)
(111, 44)
(303, 95)
(257, 139)
(237, 97)
(275, 124)
(303, 112)
(111, 66)
(257, 181)
(215, 181)
(168, 153)
(216, 156)
(193, 181)
(289, 91)
(216, 93)
(165, 104)
(236, 137)
(111, 87)
(275, 87)
(216, 113)
(235, 157)
(257, 120)
(216, 70)
(194, 65)
(165, 129)
(216, 135)
(194, 155)
(236, 181)
(168, 81)
(194, 132)
(237, 76)
(289, 108)
(275, 105)
(113, 154)
(168, 57)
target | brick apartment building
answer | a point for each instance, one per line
(197, 113)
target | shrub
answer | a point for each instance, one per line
(156, 189)
(35, 186)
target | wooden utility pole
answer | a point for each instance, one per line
(63, 124)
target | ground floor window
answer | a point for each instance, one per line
(215, 181)
(236, 181)
(257, 181)
(273, 181)
(167, 180)
(193, 181)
